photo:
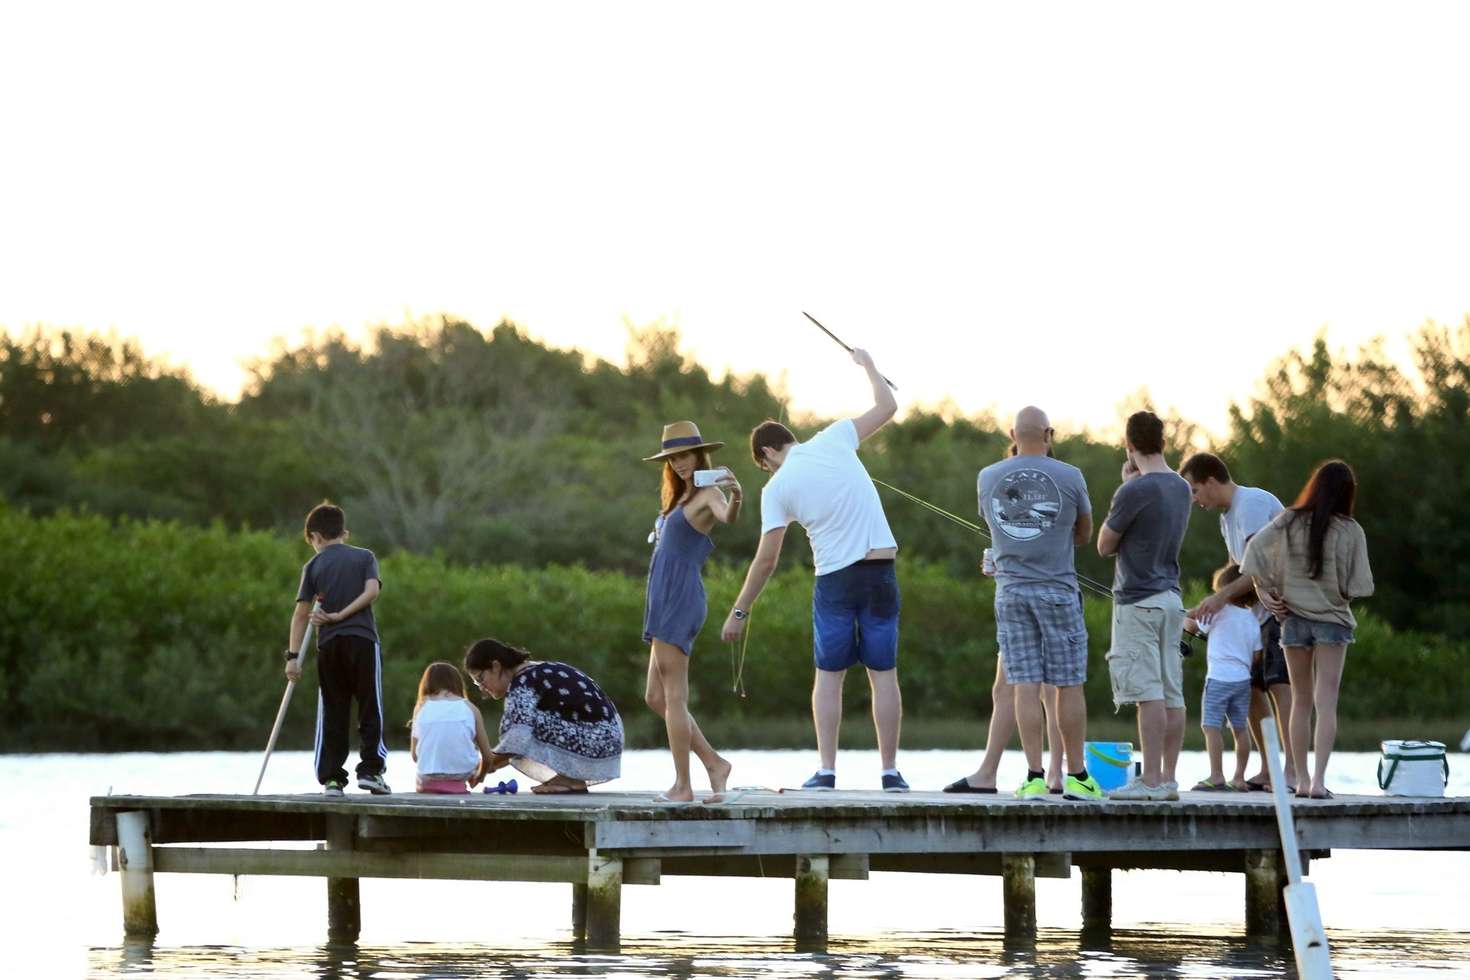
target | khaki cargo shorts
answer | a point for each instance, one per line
(1144, 662)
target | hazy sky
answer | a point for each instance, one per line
(1006, 203)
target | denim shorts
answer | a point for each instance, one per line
(855, 617)
(1299, 632)
(1269, 669)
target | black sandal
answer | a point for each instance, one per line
(962, 785)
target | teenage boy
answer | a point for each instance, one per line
(1243, 512)
(1145, 529)
(822, 485)
(349, 663)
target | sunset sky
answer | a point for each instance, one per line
(1054, 203)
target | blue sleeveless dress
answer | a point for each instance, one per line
(676, 606)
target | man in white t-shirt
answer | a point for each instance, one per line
(1244, 511)
(822, 485)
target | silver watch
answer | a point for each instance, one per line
(739, 613)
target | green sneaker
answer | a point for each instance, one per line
(1082, 789)
(1032, 789)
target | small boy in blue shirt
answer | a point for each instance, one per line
(1234, 643)
(349, 662)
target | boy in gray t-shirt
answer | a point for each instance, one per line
(349, 663)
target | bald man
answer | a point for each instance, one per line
(1039, 514)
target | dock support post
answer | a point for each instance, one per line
(812, 871)
(1018, 872)
(1265, 879)
(579, 912)
(1097, 899)
(344, 902)
(602, 905)
(135, 860)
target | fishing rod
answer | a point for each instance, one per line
(1097, 587)
(842, 345)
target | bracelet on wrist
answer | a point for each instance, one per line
(292, 655)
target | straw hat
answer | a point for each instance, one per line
(681, 437)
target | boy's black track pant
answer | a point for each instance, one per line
(349, 667)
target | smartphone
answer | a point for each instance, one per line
(707, 478)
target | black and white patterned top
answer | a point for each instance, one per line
(557, 720)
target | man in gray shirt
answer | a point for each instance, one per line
(1038, 513)
(1145, 529)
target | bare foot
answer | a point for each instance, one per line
(978, 780)
(719, 775)
(677, 795)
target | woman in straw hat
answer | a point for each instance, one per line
(675, 607)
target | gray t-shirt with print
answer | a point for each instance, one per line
(338, 574)
(1031, 504)
(1151, 512)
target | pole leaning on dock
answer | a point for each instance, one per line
(1308, 938)
(285, 701)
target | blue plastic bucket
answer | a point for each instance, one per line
(1110, 763)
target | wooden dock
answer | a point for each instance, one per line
(602, 841)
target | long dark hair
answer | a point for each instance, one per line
(673, 488)
(439, 678)
(483, 653)
(1330, 492)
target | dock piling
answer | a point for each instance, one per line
(344, 901)
(135, 862)
(603, 904)
(1265, 878)
(812, 873)
(579, 912)
(1018, 874)
(1097, 899)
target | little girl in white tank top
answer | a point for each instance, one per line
(449, 741)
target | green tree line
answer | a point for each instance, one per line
(150, 634)
(490, 448)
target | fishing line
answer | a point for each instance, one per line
(737, 673)
(1097, 587)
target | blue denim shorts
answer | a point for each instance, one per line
(855, 617)
(1299, 632)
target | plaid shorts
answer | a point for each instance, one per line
(1225, 701)
(1042, 637)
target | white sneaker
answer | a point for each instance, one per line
(1172, 787)
(1137, 789)
(1131, 790)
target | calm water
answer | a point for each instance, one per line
(1388, 915)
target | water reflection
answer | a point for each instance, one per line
(1056, 955)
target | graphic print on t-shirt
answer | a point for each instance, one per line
(1025, 504)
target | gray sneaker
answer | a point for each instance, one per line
(333, 787)
(373, 784)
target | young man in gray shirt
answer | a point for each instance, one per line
(1243, 512)
(1145, 528)
(1038, 513)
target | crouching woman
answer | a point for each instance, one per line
(558, 727)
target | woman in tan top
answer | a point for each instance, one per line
(1309, 564)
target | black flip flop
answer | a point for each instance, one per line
(1256, 786)
(962, 785)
